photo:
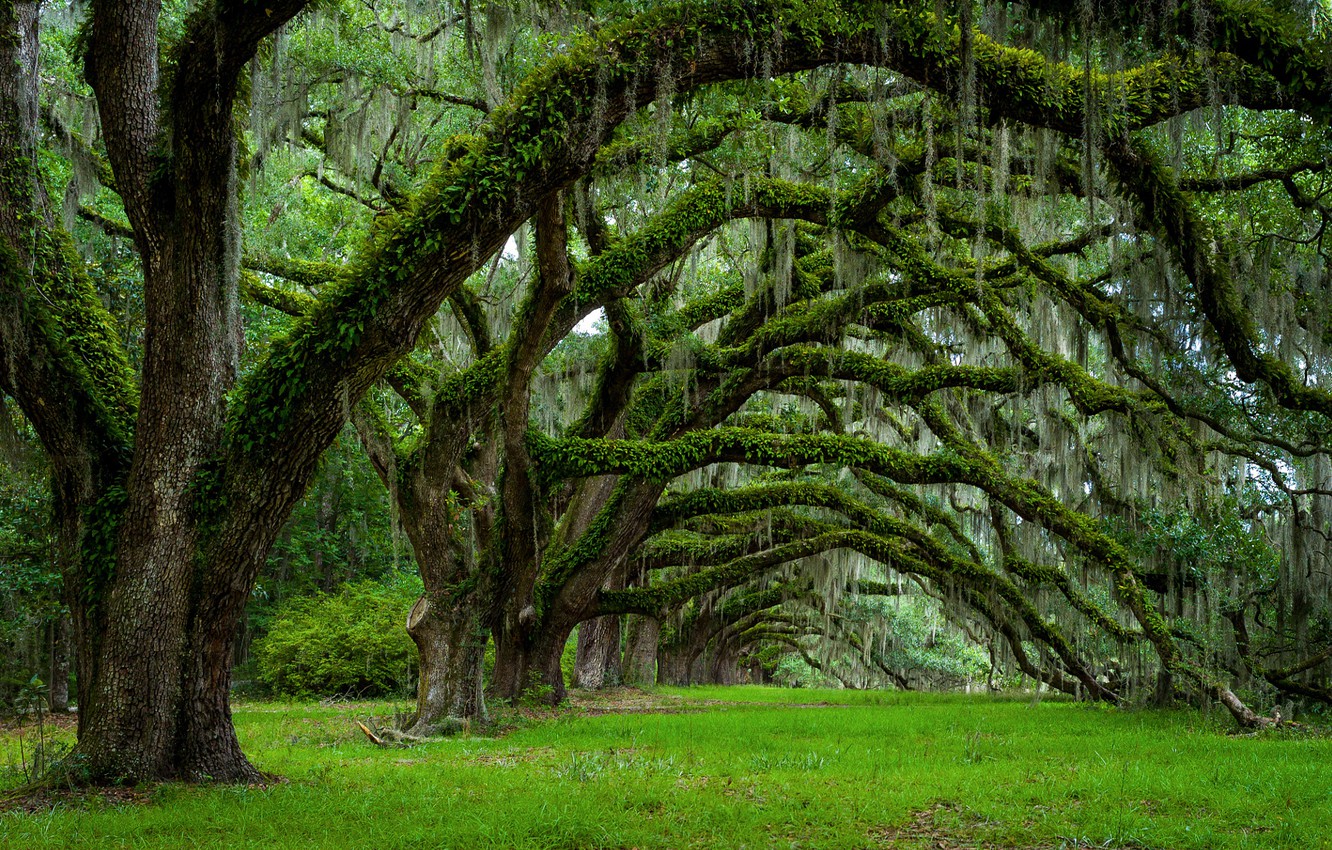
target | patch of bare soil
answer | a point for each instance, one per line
(27, 723)
(630, 701)
(509, 718)
(947, 825)
(46, 799)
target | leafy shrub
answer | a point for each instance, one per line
(29, 582)
(569, 658)
(353, 642)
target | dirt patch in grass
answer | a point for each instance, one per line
(630, 701)
(634, 701)
(946, 825)
(27, 723)
(507, 718)
(46, 799)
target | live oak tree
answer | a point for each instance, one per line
(171, 480)
(1062, 468)
(529, 586)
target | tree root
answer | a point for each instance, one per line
(418, 734)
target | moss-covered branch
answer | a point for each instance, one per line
(663, 460)
(1206, 259)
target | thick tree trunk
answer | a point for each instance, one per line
(576, 599)
(673, 665)
(597, 663)
(1163, 694)
(452, 646)
(176, 596)
(448, 622)
(169, 575)
(725, 666)
(131, 723)
(208, 749)
(447, 625)
(527, 662)
(640, 650)
(169, 717)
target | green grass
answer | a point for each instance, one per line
(755, 770)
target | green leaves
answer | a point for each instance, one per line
(100, 543)
(349, 643)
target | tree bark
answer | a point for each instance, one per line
(597, 663)
(50, 318)
(640, 650)
(527, 664)
(674, 664)
(452, 645)
(725, 666)
(447, 622)
(157, 702)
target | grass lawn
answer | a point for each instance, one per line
(736, 767)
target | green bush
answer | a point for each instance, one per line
(353, 642)
(569, 658)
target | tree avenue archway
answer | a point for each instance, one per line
(1016, 310)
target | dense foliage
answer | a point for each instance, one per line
(348, 643)
(29, 586)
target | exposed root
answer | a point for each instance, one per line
(417, 734)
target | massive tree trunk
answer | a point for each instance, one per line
(45, 298)
(640, 650)
(597, 662)
(178, 585)
(724, 666)
(154, 592)
(448, 622)
(527, 662)
(451, 642)
(616, 514)
(673, 665)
